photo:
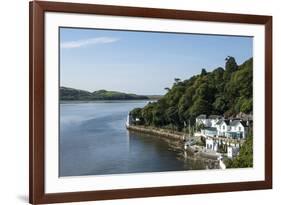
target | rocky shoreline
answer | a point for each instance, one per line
(176, 141)
(157, 131)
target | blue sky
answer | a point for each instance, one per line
(141, 62)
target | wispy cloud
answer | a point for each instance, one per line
(87, 42)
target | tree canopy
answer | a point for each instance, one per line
(222, 92)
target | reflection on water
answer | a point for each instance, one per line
(94, 141)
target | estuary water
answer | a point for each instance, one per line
(94, 141)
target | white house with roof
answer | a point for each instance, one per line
(222, 127)
(217, 126)
(238, 129)
(232, 128)
(212, 144)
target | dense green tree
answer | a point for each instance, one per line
(230, 67)
(167, 89)
(137, 112)
(172, 116)
(200, 106)
(147, 114)
(158, 115)
(203, 72)
(220, 105)
(239, 89)
(177, 80)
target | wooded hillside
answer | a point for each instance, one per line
(224, 91)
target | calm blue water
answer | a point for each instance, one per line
(94, 141)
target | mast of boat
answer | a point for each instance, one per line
(189, 130)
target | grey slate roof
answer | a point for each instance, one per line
(234, 122)
(202, 117)
(237, 122)
(244, 123)
(221, 121)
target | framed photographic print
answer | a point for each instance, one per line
(139, 102)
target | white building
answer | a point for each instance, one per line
(222, 127)
(238, 129)
(232, 151)
(216, 126)
(232, 128)
(212, 144)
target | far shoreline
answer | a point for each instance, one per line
(106, 101)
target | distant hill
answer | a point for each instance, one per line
(75, 94)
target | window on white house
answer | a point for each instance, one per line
(239, 128)
(223, 127)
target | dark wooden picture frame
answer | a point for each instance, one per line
(37, 193)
